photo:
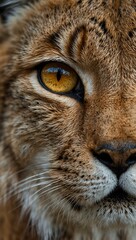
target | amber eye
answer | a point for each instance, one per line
(61, 79)
(58, 77)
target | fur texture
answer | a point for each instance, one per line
(54, 182)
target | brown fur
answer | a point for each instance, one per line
(99, 39)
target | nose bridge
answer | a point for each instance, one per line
(107, 124)
(109, 119)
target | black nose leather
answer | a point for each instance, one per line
(117, 157)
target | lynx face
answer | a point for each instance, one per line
(68, 77)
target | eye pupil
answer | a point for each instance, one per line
(59, 74)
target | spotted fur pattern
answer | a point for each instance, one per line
(52, 186)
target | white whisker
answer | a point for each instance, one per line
(43, 192)
(19, 188)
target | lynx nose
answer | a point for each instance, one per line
(118, 157)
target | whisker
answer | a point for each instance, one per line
(17, 189)
(50, 184)
(43, 192)
(28, 167)
(47, 206)
(29, 180)
(31, 177)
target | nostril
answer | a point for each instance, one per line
(117, 156)
(131, 160)
(104, 157)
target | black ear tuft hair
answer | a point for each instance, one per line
(8, 7)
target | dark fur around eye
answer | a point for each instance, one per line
(8, 7)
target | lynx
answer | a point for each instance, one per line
(68, 120)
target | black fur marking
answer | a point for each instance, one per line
(104, 3)
(79, 2)
(74, 204)
(94, 19)
(90, 2)
(73, 40)
(99, 34)
(102, 24)
(131, 33)
(54, 39)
